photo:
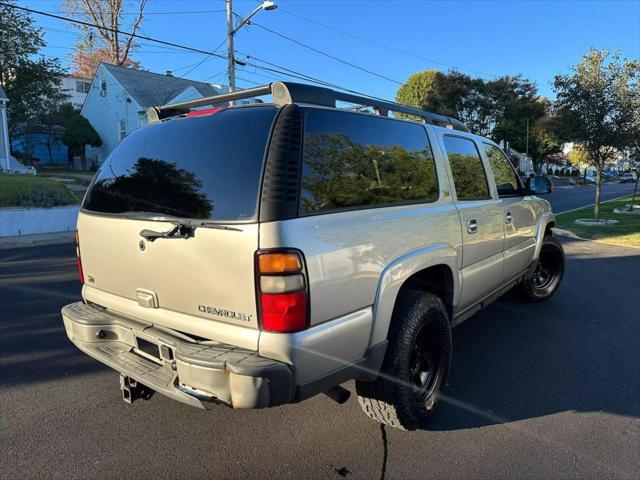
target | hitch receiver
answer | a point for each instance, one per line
(132, 390)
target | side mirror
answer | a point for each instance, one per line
(539, 185)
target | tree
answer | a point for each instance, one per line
(579, 157)
(597, 104)
(78, 133)
(31, 85)
(494, 108)
(51, 124)
(103, 43)
(543, 139)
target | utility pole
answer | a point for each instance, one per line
(527, 152)
(231, 67)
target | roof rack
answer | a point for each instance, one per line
(284, 93)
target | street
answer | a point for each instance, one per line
(536, 391)
(563, 199)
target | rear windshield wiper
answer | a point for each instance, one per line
(183, 229)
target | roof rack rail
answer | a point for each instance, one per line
(284, 93)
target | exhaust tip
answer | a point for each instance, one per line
(338, 394)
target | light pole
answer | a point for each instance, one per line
(231, 31)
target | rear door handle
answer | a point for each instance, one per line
(508, 218)
(472, 225)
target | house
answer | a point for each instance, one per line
(118, 99)
(77, 88)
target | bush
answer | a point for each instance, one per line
(549, 171)
(43, 197)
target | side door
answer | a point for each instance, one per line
(481, 219)
(518, 212)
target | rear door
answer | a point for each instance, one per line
(201, 169)
(518, 210)
(480, 216)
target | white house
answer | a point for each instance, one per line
(77, 88)
(118, 99)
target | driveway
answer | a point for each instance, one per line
(536, 391)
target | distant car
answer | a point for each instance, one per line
(590, 179)
(628, 177)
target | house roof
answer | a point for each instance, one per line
(3, 96)
(149, 89)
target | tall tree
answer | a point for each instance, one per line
(32, 84)
(598, 105)
(103, 43)
(495, 108)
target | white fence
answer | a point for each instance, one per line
(26, 221)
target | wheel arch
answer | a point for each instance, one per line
(433, 268)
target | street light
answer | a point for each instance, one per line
(231, 31)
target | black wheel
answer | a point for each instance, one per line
(416, 364)
(547, 275)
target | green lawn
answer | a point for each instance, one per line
(12, 184)
(626, 233)
(81, 177)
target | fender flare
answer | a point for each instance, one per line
(543, 221)
(397, 272)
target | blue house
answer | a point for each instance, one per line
(119, 97)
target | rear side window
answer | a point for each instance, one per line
(506, 177)
(205, 168)
(466, 167)
(357, 161)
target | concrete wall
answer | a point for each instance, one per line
(25, 221)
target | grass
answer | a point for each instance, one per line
(626, 233)
(65, 172)
(12, 184)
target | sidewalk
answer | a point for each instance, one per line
(36, 240)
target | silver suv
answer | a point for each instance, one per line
(258, 255)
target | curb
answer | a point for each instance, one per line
(36, 240)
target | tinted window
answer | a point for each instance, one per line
(203, 167)
(353, 160)
(504, 174)
(468, 174)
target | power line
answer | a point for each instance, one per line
(114, 30)
(273, 67)
(328, 55)
(381, 45)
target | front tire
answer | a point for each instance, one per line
(545, 279)
(416, 364)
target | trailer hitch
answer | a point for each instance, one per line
(133, 390)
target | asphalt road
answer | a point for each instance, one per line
(563, 199)
(536, 391)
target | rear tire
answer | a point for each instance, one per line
(416, 364)
(543, 282)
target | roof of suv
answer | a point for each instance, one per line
(286, 93)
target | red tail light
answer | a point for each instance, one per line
(79, 259)
(283, 291)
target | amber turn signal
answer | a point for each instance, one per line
(279, 262)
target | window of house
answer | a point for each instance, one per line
(352, 160)
(468, 173)
(507, 180)
(103, 88)
(83, 87)
(122, 128)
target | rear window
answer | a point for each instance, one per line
(205, 168)
(353, 160)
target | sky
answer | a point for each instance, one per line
(392, 38)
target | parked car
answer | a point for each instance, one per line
(257, 255)
(628, 177)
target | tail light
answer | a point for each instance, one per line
(282, 290)
(79, 259)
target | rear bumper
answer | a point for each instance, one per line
(196, 373)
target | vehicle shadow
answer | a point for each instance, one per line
(576, 352)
